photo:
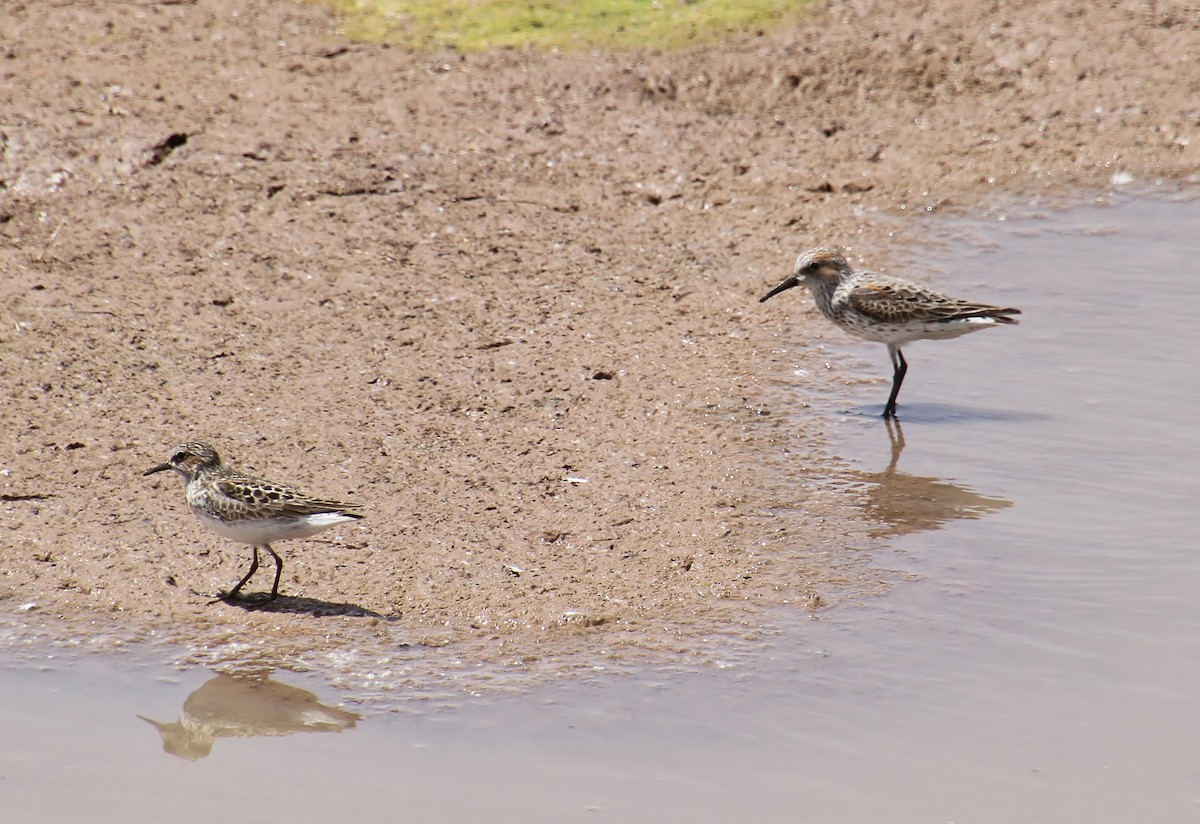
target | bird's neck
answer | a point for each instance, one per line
(823, 290)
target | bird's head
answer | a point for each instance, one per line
(816, 267)
(188, 459)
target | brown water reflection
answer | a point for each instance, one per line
(901, 503)
(245, 706)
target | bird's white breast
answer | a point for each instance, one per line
(901, 333)
(265, 530)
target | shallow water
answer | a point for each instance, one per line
(1038, 657)
(1046, 665)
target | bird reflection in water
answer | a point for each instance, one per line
(228, 706)
(903, 503)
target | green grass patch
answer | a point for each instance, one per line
(477, 25)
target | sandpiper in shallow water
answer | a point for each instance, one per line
(250, 510)
(886, 309)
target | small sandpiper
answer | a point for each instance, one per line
(250, 510)
(886, 309)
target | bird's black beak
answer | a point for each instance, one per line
(160, 468)
(783, 287)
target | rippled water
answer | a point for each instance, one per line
(1037, 659)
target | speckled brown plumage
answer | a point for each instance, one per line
(887, 309)
(248, 509)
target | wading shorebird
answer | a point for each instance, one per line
(250, 510)
(886, 309)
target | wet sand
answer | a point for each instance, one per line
(508, 301)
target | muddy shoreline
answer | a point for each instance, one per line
(508, 301)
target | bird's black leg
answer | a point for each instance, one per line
(253, 569)
(278, 572)
(899, 368)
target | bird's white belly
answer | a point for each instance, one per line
(265, 530)
(900, 333)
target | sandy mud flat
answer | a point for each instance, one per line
(507, 300)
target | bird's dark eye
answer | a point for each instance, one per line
(178, 457)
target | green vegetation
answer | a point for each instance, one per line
(476, 25)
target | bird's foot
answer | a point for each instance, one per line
(252, 601)
(211, 597)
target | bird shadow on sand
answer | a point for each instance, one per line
(947, 413)
(297, 605)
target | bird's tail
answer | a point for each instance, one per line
(996, 313)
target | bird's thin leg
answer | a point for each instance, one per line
(253, 569)
(278, 572)
(899, 368)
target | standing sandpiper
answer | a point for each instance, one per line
(248, 509)
(886, 309)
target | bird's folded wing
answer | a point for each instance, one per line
(276, 500)
(908, 304)
(893, 304)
